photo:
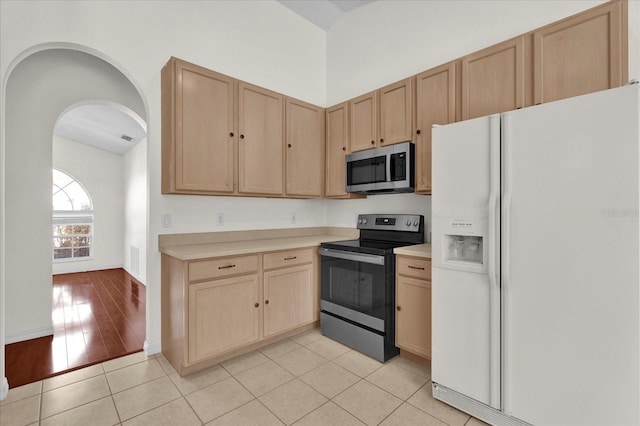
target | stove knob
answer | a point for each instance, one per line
(408, 222)
(364, 221)
(415, 222)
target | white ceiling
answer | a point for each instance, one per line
(323, 13)
(102, 126)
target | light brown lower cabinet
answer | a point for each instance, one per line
(223, 315)
(215, 309)
(413, 305)
(288, 298)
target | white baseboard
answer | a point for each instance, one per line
(4, 389)
(28, 334)
(76, 267)
(151, 349)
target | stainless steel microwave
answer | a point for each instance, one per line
(389, 169)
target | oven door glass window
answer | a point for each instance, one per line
(355, 285)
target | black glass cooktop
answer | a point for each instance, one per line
(365, 246)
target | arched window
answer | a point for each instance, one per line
(72, 219)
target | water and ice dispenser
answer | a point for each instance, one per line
(467, 248)
(463, 241)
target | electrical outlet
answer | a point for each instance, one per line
(293, 218)
(166, 220)
(220, 219)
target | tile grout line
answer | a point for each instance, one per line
(41, 401)
(144, 383)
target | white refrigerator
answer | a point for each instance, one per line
(535, 280)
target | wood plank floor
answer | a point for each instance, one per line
(97, 316)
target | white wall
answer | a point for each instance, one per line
(101, 174)
(135, 209)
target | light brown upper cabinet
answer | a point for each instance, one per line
(363, 119)
(396, 112)
(435, 104)
(582, 54)
(493, 79)
(383, 117)
(198, 121)
(337, 147)
(260, 148)
(337, 131)
(304, 153)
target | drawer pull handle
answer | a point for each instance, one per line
(291, 258)
(226, 267)
(416, 267)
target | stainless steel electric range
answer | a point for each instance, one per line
(358, 283)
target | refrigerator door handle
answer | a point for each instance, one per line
(506, 260)
(494, 259)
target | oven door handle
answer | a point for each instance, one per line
(357, 257)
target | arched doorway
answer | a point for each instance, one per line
(42, 84)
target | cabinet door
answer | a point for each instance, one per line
(581, 54)
(260, 152)
(200, 158)
(435, 104)
(413, 315)
(337, 148)
(363, 122)
(289, 298)
(493, 79)
(304, 140)
(223, 314)
(397, 109)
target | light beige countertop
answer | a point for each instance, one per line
(206, 245)
(420, 250)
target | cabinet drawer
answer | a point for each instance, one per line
(284, 258)
(414, 267)
(223, 267)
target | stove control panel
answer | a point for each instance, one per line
(391, 222)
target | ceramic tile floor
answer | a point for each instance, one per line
(308, 379)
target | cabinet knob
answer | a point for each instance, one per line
(289, 145)
(381, 140)
(418, 132)
(373, 142)
(399, 308)
(344, 148)
(231, 134)
(241, 136)
(256, 304)
(266, 302)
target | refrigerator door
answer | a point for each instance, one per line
(570, 261)
(465, 287)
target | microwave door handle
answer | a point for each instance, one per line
(356, 257)
(388, 159)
